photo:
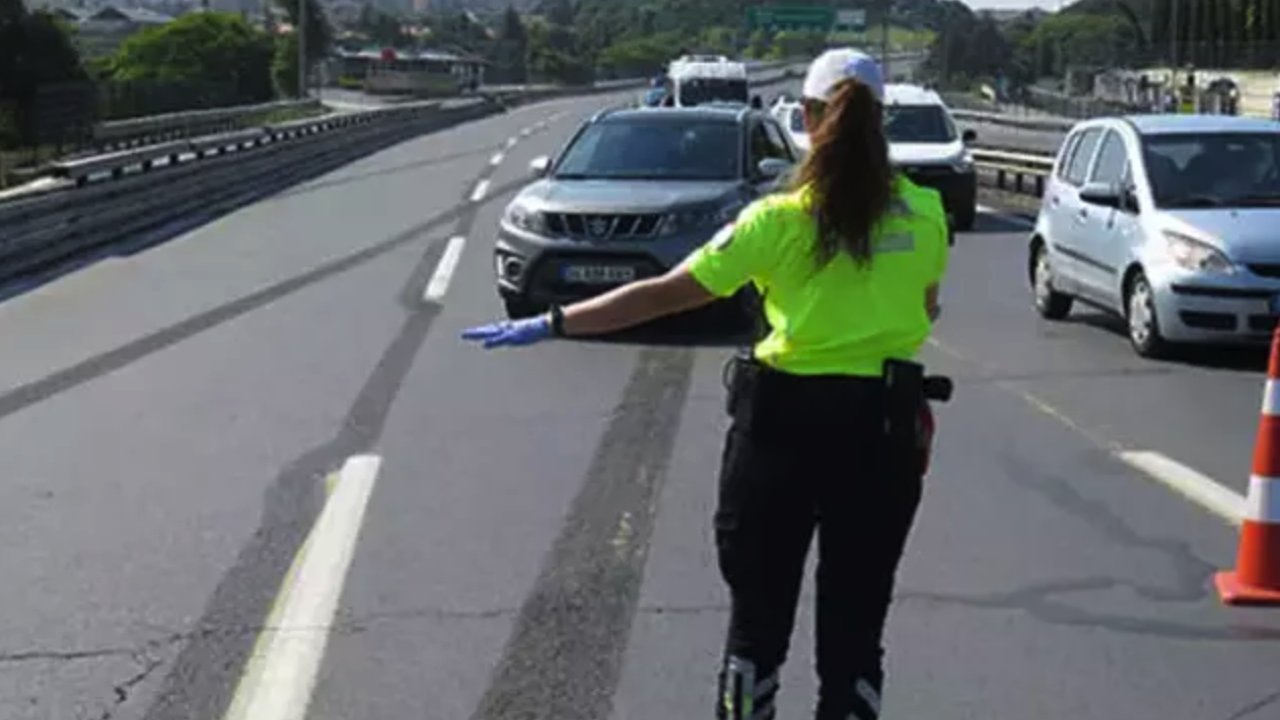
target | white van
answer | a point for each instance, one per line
(695, 82)
(925, 143)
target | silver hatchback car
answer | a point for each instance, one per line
(1170, 221)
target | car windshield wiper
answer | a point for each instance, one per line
(1193, 201)
(1264, 199)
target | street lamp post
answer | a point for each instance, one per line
(302, 49)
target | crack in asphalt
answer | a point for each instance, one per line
(1042, 601)
(1253, 707)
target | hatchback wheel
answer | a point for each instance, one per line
(1050, 303)
(1144, 326)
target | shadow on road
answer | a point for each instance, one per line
(1214, 357)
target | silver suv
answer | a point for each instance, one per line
(631, 195)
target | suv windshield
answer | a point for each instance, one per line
(918, 124)
(649, 149)
(696, 91)
(1214, 170)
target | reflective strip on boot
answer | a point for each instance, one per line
(870, 701)
(742, 697)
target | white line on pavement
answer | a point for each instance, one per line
(1200, 489)
(439, 283)
(511, 142)
(281, 673)
(525, 132)
(496, 160)
(482, 188)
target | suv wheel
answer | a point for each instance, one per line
(1051, 304)
(1144, 326)
(966, 218)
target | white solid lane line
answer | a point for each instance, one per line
(439, 283)
(482, 189)
(1200, 489)
(496, 160)
(281, 674)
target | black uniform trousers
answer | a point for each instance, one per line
(806, 454)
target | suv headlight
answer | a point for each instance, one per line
(523, 218)
(963, 163)
(691, 219)
(1192, 254)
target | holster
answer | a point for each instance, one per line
(908, 421)
(742, 375)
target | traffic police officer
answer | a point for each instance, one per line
(830, 429)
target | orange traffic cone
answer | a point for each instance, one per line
(1256, 579)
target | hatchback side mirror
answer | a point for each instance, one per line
(969, 135)
(540, 166)
(772, 168)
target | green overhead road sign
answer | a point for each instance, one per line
(851, 20)
(791, 17)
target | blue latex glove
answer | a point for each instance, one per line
(511, 332)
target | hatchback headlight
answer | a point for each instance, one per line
(691, 219)
(521, 217)
(963, 163)
(1192, 254)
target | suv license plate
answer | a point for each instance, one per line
(599, 274)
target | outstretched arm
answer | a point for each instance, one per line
(636, 303)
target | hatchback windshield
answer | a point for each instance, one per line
(696, 91)
(918, 124)
(648, 149)
(1214, 169)
(797, 120)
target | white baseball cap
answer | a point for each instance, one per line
(837, 64)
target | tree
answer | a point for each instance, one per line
(201, 49)
(37, 52)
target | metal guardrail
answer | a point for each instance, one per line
(132, 132)
(102, 200)
(1021, 173)
(1026, 122)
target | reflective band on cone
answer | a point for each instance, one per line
(1256, 579)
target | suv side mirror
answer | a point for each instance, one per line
(772, 168)
(969, 135)
(1103, 194)
(757, 102)
(540, 166)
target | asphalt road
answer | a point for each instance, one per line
(537, 542)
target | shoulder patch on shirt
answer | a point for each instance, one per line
(896, 242)
(723, 238)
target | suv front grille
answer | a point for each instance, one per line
(602, 226)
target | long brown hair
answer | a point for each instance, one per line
(848, 171)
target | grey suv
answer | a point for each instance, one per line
(633, 193)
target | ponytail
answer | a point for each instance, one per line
(848, 171)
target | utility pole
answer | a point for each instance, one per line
(301, 30)
(1173, 45)
(884, 38)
